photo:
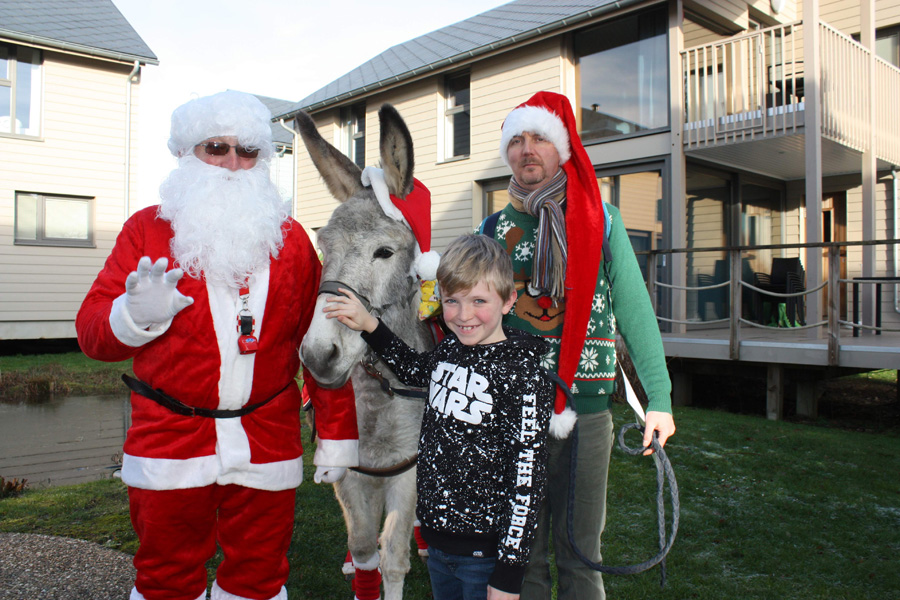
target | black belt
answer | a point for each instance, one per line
(178, 407)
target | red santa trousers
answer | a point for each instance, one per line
(178, 531)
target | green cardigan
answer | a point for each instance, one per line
(621, 301)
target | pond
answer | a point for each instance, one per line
(63, 440)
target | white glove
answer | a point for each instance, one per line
(150, 294)
(329, 474)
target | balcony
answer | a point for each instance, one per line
(745, 102)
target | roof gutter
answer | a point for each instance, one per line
(481, 50)
(294, 158)
(45, 42)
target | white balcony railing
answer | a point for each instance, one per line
(747, 86)
(887, 115)
(751, 86)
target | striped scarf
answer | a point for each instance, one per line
(549, 271)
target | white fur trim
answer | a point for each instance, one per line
(136, 595)
(127, 332)
(170, 474)
(538, 120)
(347, 568)
(370, 564)
(375, 177)
(561, 424)
(337, 453)
(427, 265)
(217, 593)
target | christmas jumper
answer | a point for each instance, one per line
(195, 358)
(620, 302)
(482, 451)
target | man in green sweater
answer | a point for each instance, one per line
(553, 229)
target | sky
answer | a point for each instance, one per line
(284, 49)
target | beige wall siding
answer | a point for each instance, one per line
(732, 14)
(81, 153)
(845, 14)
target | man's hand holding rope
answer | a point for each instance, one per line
(662, 423)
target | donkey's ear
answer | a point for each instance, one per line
(396, 151)
(341, 175)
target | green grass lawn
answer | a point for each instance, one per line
(768, 510)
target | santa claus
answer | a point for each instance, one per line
(213, 453)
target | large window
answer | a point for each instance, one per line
(20, 90)
(45, 220)
(887, 45)
(353, 133)
(456, 117)
(623, 76)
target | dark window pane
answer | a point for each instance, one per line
(461, 134)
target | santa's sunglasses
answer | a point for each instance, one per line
(221, 149)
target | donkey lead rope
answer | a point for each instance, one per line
(664, 473)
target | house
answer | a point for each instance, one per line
(282, 164)
(69, 105)
(752, 147)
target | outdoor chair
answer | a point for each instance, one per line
(787, 277)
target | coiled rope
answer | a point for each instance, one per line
(664, 473)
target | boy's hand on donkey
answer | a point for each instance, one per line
(349, 310)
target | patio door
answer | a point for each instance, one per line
(834, 229)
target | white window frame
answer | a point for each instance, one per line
(41, 237)
(353, 137)
(8, 81)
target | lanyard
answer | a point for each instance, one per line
(247, 342)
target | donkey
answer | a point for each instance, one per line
(371, 254)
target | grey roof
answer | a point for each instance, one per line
(94, 27)
(279, 134)
(508, 24)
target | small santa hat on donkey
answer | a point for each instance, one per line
(415, 211)
(550, 115)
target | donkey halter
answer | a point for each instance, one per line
(333, 287)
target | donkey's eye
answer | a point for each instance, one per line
(383, 253)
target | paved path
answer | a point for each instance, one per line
(43, 567)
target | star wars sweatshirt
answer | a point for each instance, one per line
(482, 462)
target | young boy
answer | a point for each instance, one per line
(482, 451)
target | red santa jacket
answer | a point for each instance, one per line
(195, 359)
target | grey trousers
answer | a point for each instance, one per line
(595, 440)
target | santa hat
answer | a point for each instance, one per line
(535, 120)
(550, 115)
(415, 212)
(227, 113)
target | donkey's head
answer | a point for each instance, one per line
(363, 249)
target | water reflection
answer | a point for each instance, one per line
(63, 440)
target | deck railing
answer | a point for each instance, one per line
(828, 321)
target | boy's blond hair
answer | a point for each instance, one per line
(472, 258)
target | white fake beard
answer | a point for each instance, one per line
(227, 224)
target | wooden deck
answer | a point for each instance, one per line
(62, 441)
(790, 347)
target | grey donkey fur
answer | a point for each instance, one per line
(373, 254)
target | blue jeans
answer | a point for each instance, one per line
(456, 577)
